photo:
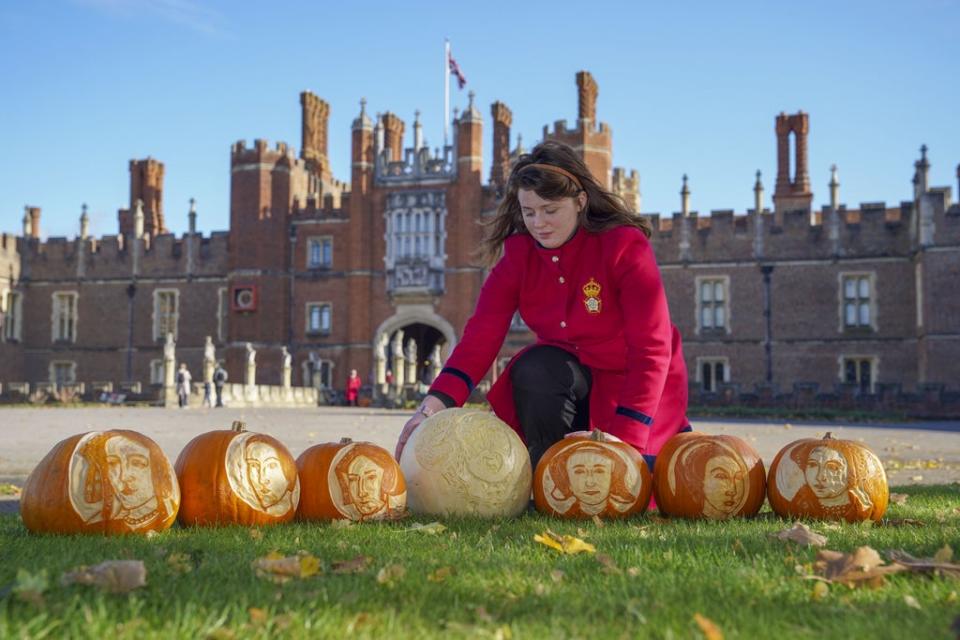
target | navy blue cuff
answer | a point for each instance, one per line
(460, 374)
(650, 460)
(447, 401)
(636, 415)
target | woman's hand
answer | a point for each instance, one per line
(427, 408)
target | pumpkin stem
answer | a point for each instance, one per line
(346, 440)
(238, 426)
(829, 436)
(597, 436)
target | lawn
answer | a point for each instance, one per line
(650, 577)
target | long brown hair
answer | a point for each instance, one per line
(604, 210)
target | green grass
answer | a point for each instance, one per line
(501, 585)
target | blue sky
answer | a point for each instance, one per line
(687, 87)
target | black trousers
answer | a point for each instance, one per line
(551, 393)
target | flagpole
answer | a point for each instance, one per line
(446, 90)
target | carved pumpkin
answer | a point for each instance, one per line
(828, 479)
(466, 462)
(705, 476)
(586, 476)
(237, 477)
(115, 481)
(350, 481)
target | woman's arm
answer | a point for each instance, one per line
(647, 331)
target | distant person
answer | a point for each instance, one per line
(219, 379)
(353, 388)
(183, 385)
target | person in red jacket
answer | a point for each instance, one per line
(578, 266)
(353, 388)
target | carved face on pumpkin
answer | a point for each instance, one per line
(128, 469)
(265, 473)
(723, 484)
(259, 476)
(713, 474)
(589, 477)
(826, 473)
(364, 482)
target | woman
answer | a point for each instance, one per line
(353, 388)
(578, 266)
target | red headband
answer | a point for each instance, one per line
(554, 169)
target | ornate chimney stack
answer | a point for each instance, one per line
(685, 198)
(314, 123)
(758, 195)
(146, 185)
(587, 91)
(794, 193)
(393, 133)
(922, 172)
(84, 223)
(502, 119)
(33, 213)
(834, 188)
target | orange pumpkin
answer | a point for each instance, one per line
(704, 476)
(234, 476)
(350, 480)
(586, 476)
(115, 481)
(828, 479)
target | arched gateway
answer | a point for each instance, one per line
(410, 345)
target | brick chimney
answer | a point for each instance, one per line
(393, 131)
(792, 193)
(315, 120)
(502, 119)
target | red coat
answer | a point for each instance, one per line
(600, 297)
(353, 388)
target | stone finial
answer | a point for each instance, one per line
(758, 194)
(26, 222)
(417, 131)
(192, 216)
(472, 114)
(362, 121)
(84, 222)
(922, 175)
(685, 198)
(834, 188)
(138, 219)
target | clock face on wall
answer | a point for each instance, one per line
(243, 297)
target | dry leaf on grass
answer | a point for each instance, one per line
(391, 574)
(180, 562)
(898, 498)
(440, 574)
(255, 534)
(564, 544)
(709, 628)
(341, 524)
(7, 489)
(900, 522)
(820, 591)
(280, 569)
(802, 535)
(356, 565)
(433, 528)
(863, 567)
(911, 602)
(609, 566)
(257, 616)
(939, 564)
(556, 575)
(115, 576)
(360, 622)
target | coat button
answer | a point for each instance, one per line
(562, 280)
(563, 324)
(556, 258)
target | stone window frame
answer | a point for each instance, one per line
(308, 328)
(711, 360)
(871, 300)
(223, 308)
(56, 313)
(874, 361)
(12, 309)
(158, 333)
(319, 241)
(318, 365)
(724, 279)
(52, 371)
(156, 371)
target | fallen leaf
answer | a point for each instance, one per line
(787, 426)
(341, 524)
(926, 565)
(802, 535)
(257, 616)
(7, 489)
(862, 567)
(280, 569)
(483, 615)
(916, 478)
(900, 522)
(391, 573)
(597, 521)
(564, 544)
(180, 563)
(115, 576)
(255, 534)
(898, 498)
(433, 528)
(945, 554)
(221, 633)
(820, 591)
(359, 622)
(609, 566)
(356, 565)
(912, 602)
(29, 587)
(440, 574)
(633, 572)
(952, 597)
(709, 628)
(539, 589)
(282, 621)
(556, 575)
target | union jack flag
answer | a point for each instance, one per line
(455, 70)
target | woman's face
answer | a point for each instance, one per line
(826, 472)
(723, 484)
(550, 222)
(265, 473)
(128, 465)
(590, 475)
(365, 479)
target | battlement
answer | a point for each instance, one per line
(261, 153)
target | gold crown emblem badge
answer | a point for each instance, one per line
(592, 291)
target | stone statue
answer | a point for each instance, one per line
(209, 351)
(287, 358)
(251, 355)
(169, 348)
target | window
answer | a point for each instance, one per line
(319, 318)
(165, 313)
(64, 317)
(63, 372)
(156, 372)
(10, 307)
(859, 370)
(222, 305)
(857, 300)
(320, 253)
(326, 374)
(713, 304)
(317, 373)
(712, 372)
